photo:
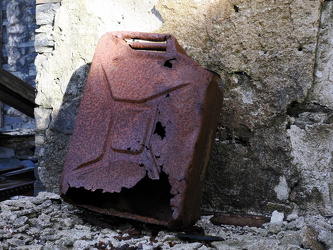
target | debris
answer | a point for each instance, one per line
(277, 217)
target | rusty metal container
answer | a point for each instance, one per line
(144, 131)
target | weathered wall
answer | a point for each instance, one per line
(18, 55)
(274, 144)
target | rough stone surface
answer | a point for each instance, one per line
(6, 152)
(9, 164)
(18, 54)
(47, 222)
(322, 90)
(273, 147)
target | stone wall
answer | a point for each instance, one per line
(273, 148)
(18, 55)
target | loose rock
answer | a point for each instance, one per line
(47, 222)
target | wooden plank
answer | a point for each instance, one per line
(17, 93)
(237, 219)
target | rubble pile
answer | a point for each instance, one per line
(47, 222)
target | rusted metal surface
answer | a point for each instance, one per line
(144, 131)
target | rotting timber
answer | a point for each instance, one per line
(17, 93)
(143, 132)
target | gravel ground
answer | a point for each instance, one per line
(46, 222)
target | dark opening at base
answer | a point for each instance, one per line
(149, 198)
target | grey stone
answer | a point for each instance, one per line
(6, 152)
(291, 238)
(45, 13)
(28, 164)
(43, 40)
(292, 217)
(275, 227)
(43, 118)
(277, 217)
(20, 221)
(47, 1)
(9, 164)
(15, 242)
(326, 237)
(43, 49)
(264, 244)
(322, 90)
(310, 239)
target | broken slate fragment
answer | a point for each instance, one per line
(9, 164)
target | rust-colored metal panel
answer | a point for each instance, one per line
(144, 131)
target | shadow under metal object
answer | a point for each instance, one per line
(144, 131)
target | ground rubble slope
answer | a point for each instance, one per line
(47, 222)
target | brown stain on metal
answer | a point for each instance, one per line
(143, 132)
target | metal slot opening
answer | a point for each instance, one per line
(149, 198)
(145, 45)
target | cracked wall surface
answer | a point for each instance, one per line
(273, 145)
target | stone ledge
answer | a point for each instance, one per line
(47, 1)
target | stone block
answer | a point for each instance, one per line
(323, 87)
(310, 239)
(45, 13)
(43, 118)
(44, 49)
(47, 1)
(6, 152)
(9, 164)
(43, 40)
(277, 217)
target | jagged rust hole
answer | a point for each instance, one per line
(150, 198)
(160, 130)
(168, 63)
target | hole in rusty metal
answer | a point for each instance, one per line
(168, 63)
(160, 130)
(168, 95)
(148, 197)
(141, 165)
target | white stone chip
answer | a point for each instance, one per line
(277, 217)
